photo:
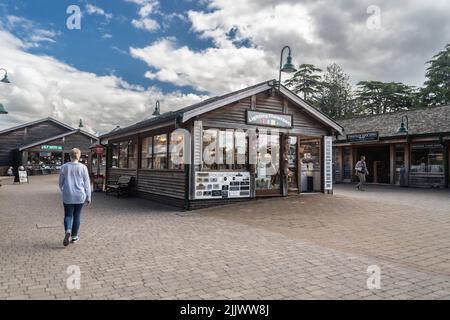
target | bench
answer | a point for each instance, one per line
(122, 186)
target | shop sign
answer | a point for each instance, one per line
(277, 120)
(222, 185)
(99, 150)
(361, 137)
(328, 160)
(49, 147)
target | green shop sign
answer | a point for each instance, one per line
(47, 147)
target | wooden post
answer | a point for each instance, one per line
(407, 162)
(392, 163)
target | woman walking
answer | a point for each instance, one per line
(76, 190)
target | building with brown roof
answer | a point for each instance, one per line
(416, 155)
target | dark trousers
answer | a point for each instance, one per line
(72, 214)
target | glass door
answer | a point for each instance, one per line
(267, 179)
(292, 173)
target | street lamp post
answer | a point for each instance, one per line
(4, 80)
(404, 126)
(288, 66)
(157, 111)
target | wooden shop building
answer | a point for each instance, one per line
(42, 146)
(288, 150)
(416, 156)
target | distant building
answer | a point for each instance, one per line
(42, 146)
(418, 158)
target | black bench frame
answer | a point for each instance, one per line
(122, 186)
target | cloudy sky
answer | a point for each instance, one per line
(129, 53)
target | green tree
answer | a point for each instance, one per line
(377, 97)
(307, 81)
(336, 99)
(437, 85)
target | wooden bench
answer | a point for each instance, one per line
(122, 186)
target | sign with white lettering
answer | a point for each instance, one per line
(47, 147)
(361, 137)
(277, 120)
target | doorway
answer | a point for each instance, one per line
(268, 178)
(377, 160)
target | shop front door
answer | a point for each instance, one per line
(267, 178)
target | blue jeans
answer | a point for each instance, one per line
(72, 214)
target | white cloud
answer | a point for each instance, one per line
(146, 9)
(94, 10)
(145, 24)
(33, 35)
(212, 70)
(319, 32)
(42, 86)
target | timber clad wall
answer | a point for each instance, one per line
(236, 114)
(168, 183)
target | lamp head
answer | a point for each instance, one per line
(288, 66)
(2, 109)
(157, 111)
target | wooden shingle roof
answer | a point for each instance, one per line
(421, 121)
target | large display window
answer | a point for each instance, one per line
(160, 151)
(427, 158)
(225, 149)
(147, 153)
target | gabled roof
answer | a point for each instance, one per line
(57, 137)
(28, 124)
(213, 103)
(423, 120)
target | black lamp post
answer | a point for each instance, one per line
(404, 126)
(157, 111)
(4, 80)
(288, 66)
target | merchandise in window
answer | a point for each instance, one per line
(160, 152)
(147, 153)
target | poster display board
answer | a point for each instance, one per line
(328, 160)
(222, 185)
(23, 177)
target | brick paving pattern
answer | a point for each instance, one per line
(309, 247)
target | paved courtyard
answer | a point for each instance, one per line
(308, 247)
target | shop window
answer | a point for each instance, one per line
(127, 154)
(132, 154)
(241, 150)
(428, 158)
(123, 152)
(114, 155)
(176, 149)
(44, 160)
(160, 152)
(225, 149)
(147, 153)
